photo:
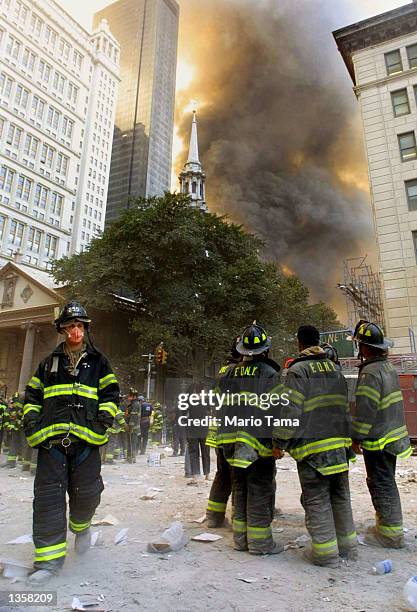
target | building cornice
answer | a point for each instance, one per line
(375, 31)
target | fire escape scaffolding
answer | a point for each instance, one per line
(362, 289)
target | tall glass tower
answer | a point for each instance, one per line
(147, 31)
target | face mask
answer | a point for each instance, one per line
(75, 335)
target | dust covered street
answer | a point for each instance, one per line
(208, 575)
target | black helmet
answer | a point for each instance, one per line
(73, 311)
(331, 352)
(254, 340)
(372, 335)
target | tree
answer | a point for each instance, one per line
(197, 279)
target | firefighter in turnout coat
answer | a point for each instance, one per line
(247, 448)
(318, 395)
(379, 430)
(70, 403)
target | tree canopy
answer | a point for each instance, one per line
(198, 280)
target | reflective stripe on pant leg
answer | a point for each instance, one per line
(380, 469)
(78, 527)
(49, 553)
(261, 495)
(216, 506)
(316, 501)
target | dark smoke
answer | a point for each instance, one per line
(279, 132)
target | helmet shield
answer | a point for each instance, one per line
(71, 312)
(372, 335)
(254, 341)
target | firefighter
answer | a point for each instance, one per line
(146, 412)
(13, 425)
(221, 487)
(318, 397)
(132, 425)
(249, 448)
(70, 403)
(380, 432)
(112, 451)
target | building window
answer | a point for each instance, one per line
(34, 239)
(6, 178)
(38, 107)
(411, 191)
(13, 48)
(64, 49)
(21, 12)
(31, 146)
(47, 155)
(36, 24)
(72, 93)
(16, 233)
(67, 127)
(41, 196)
(28, 60)
(393, 62)
(50, 246)
(407, 143)
(44, 71)
(22, 96)
(53, 118)
(59, 82)
(5, 85)
(62, 164)
(400, 103)
(412, 56)
(78, 60)
(24, 186)
(14, 136)
(50, 37)
(56, 204)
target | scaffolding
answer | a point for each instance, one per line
(362, 289)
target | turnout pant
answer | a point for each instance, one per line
(328, 513)
(145, 423)
(14, 448)
(253, 506)
(380, 471)
(132, 440)
(178, 439)
(75, 470)
(194, 445)
(220, 490)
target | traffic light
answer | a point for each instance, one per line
(159, 354)
(164, 357)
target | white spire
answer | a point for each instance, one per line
(192, 178)
(193, 157)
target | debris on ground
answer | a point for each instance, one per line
(121, 537)
(14, 569)
(171, 540)
(23, 539)
(109, 519)
(207, 537)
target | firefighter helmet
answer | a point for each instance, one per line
(372, 335)
(254, 340)
(331, 352)
(73, 311)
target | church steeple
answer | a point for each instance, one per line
(192, 178)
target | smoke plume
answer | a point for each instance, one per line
(279, 133)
